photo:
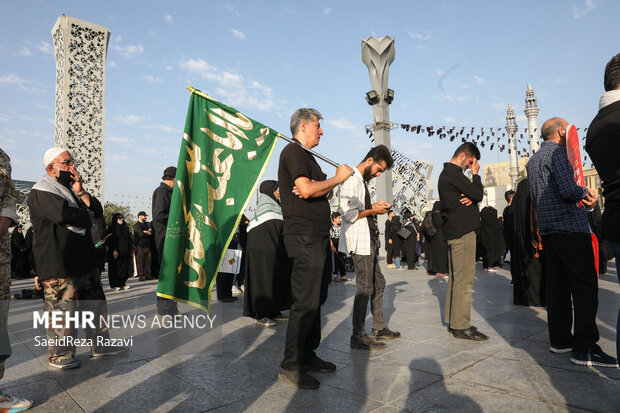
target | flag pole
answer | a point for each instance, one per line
(321, 157)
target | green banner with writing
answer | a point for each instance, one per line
(222, 157)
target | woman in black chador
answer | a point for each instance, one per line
(397, 242)
(526, 266)
(267, 268)
(120, 248)
(437, 258)
(490, 239)
(19, 267)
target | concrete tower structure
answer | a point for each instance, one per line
(377, 55)
(531, 111)
(81, 48)
(511, 128)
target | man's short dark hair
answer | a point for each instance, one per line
(509, 194)
(303, 115)
(380, 153)
(612, 74)
(335, 215)
(550, 127)
(469, 149)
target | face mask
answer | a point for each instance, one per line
(65, 178)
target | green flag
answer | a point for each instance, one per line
(222, 157)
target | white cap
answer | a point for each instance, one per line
(51, 154)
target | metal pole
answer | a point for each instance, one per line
(377, 55)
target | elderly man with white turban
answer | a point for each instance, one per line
(62, 214)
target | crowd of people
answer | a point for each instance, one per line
(294, 245)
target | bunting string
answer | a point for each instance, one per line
(491, 138)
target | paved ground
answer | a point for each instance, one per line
(233, 367)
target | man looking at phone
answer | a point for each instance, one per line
(459, 198)
(62, 214)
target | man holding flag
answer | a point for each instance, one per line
(304, 191)
(569, 259)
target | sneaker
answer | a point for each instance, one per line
(441, 275)
(391, 266)
(561, 349)
(319, 365)
(65, 363)
(299, 379)
(236, 290)
(126, 287)
(116, 288)
(13, 404)
(596, 357)
(107, 351)
(365, 343)
(265, 321)
(470, 333)
(491, 269)
(384, 333)
(228, 299)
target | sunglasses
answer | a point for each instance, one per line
(67, 162)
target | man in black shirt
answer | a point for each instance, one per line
(304, 193)
(603, 146)
(142, 232)
(459, 198)
(162, 197)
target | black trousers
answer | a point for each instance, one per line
(143, 261)
(223, 284)
(310, 278)
(569, 262)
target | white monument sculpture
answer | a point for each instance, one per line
(81, 48)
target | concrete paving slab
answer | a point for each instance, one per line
(47, 396)
(550, 384)
(452, 395)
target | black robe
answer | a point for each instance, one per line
(120, 268)
(267, 271)
(526, 263)
(438, 248)
(490, 238)
(19, 256)
(397, 241)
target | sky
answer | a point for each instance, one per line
(456, 64)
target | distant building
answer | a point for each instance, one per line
(498, 173)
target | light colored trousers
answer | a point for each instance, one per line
(462, 267)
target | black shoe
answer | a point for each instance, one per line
(298, 379)
(141, 279)
(470, 333)
(384, 333)
(320, 366)
(596, 357)
(228, 299)
(365, 343)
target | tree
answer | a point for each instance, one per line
(111, 208)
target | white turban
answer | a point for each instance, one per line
(51, 154)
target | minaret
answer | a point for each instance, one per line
(511, 128)
(531, 111)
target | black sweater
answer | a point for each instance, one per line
(59, 252)
(603, 146)
(458, 218)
